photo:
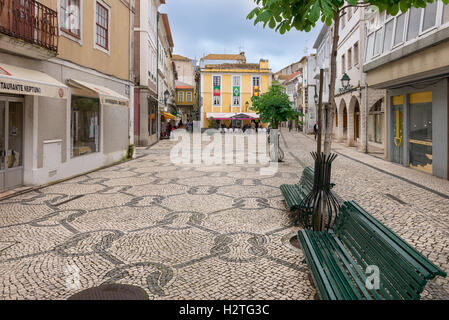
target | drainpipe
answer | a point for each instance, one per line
(366, 115)
(131, 73)
(157, 77)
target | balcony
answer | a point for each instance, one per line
(31, 28)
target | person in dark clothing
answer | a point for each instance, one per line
(290, 124)
(315, 130)
(169, 129)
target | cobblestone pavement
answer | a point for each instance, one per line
(197, 231)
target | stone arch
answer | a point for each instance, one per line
(342, 120)
(376, 121)
(354, 121)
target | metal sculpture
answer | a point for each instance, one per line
(320, 207)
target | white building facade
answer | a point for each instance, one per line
(360, 109)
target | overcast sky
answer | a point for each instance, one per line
(201, 27)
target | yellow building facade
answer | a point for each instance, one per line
(184, 101)
(227, 89)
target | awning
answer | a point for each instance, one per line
(16, 80)
(106, 95)
(232, 116)
(167, 115)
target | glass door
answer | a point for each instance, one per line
(397, 117)
(15, 135)
(421, 131)
(2, 144)
(11, 143)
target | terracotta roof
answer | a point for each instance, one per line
(254, 66)
(180, 58)
(225, 57)
(183, 85)
(293, 75)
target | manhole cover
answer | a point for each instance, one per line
(112, 292)
(294, 242)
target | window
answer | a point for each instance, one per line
(181, 96)
(388, 35)
(343, 68)
(256, 86)
(70, 17)
(102, 29)
(235, 91)
(414, 22)
(342, 20)
(377, 42)
(356, 53)
(430, 15)
(152, 117)
(349, 59)
(369, 47)
(85, 125)
(217, 90)
(349, 13)
(445, 13)
(399, 32)
(189, 96)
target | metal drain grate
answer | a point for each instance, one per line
(112, 292)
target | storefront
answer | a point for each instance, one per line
(418, 127)
(58, 124)
(17, 86)
(166, 119)
(234, 120)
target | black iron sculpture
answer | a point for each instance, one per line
(320, 207)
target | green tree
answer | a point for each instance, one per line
(274, 106)
(303, 15)
(212, 123)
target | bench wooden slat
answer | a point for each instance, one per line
(319, 277)
(347, 289)
(338, 258)
(295, 193)
(355, 252)
(420, 262)
(375, 256)
(352, 265)
(387, 252)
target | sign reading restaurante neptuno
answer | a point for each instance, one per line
(17, 80)
(14, 87)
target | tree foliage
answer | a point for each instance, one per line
(283, 15)
(274, 106)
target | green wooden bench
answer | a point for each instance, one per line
(295, 193)
(339, 259)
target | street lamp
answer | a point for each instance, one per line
(166, 95)
(345, 81)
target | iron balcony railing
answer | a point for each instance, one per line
(30, 21)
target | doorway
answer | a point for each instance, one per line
(420, 136)
(11, 143)
(357, 121)
(397, 136)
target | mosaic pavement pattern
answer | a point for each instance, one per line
(197, 232)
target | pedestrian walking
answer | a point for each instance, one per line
(187, 125)
(290, 124)
(315, 130)
(169, 129)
